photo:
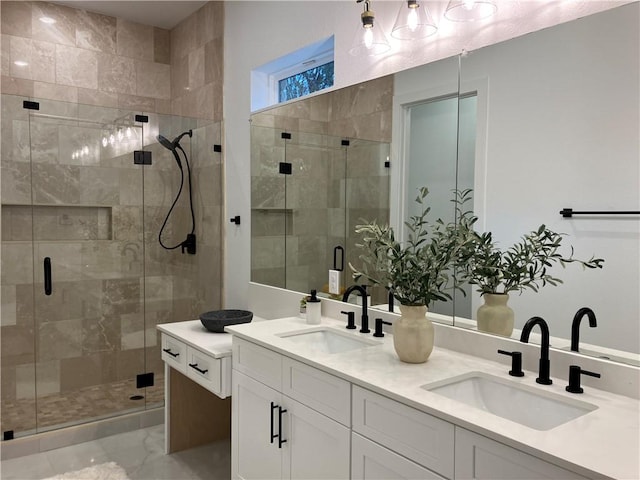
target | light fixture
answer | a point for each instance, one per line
(47, 20)
(413, 22)
(368, 40)
(20, 63)
(470, 10)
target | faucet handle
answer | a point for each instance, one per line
(574, 378)
(351, 320)
(516, 363)
(378, 330)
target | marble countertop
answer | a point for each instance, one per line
(601, 443)
(193, 333)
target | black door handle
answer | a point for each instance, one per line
(273, 435)
(335, 258)
(280, 439)
(47, 276)
(168, 350)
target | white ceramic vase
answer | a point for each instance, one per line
(413, 334)
(495, 316)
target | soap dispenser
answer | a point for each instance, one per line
(313, 309)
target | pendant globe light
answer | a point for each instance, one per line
(470, 10)
(413, 22)
(368, 39)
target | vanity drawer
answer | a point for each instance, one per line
(319, 390)
(205, 370)
(174, 352)
(418, 436)
(257, 362)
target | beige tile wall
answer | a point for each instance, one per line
(315, 205)
(84, 57)
(94, 329)
(197, 62)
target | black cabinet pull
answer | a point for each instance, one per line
(47, 276)
(195, 367)
(273, 435)
(335, 258)
(168, 350)
(280, 439)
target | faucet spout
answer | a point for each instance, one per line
(362, 289)
(575, 325)
(545, 365)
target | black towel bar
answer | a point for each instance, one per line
(569, 212)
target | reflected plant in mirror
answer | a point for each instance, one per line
(524, 265)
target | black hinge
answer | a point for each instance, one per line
(217, 148)
(142, 118)
(345, 143)
(387, 164)
(285, 168)
(144, 380)
(7, 435)
(285, 135)
(30, 105)
(141, 157)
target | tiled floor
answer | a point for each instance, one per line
(79, 406)
(139, 452)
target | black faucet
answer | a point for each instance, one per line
(545, 365)
(575, 325)
(364, 323)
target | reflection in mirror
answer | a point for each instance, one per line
(561, 123)
(556, 126)
(312, 183)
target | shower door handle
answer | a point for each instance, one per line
(336, 266)
(47, 276)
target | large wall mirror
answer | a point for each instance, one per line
(551, 121)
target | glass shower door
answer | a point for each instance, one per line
(88, 262)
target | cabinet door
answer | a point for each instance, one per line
(254, 454)
(370, 461)
(316, 448)
(478, 457)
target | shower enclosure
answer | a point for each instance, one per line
(85, 190)
(308, 192)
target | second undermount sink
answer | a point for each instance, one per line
(519, 403)
(327, 340)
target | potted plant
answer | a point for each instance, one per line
(418, 270)
(524, 265)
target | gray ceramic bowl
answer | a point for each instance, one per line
(216, 321)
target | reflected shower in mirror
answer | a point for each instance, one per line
(556, 125)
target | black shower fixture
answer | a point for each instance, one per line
(188, 245)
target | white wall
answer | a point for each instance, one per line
(257, 32)
(563, 131)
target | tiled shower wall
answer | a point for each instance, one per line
(326, 177)
(87, 61)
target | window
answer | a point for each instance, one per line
(299, 73)
(304, 83)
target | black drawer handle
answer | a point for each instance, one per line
(47, 276)
(195, 367)
(168, 350)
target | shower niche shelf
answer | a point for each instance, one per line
(56, 223)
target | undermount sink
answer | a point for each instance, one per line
(519, 403)
(326, 340)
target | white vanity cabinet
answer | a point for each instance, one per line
(422, 438)
(283, 422)
(478, 457)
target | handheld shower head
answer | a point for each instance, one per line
(171, 146)
(165, 142)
